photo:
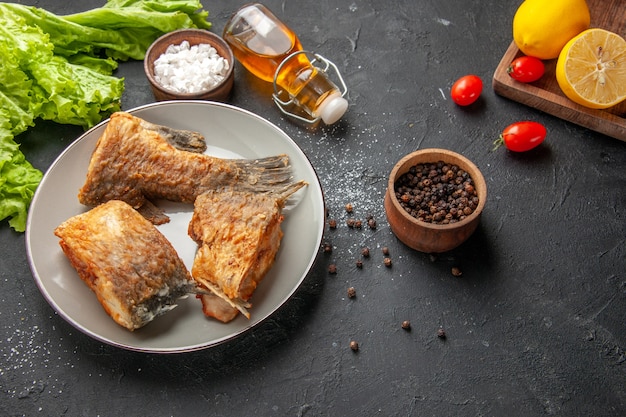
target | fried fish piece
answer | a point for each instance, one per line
(132, 268)
(136, 161)
(239, 235)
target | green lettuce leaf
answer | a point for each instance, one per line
(18, 180)
(74, 94)
(51, 87)
(121, 29)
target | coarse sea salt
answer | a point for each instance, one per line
(188, 68)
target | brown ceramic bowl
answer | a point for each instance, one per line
(195, 37)
(430, 237)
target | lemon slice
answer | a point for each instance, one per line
(591, 69)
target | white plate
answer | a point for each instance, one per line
(230, 132)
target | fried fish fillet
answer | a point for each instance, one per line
(238, 234)
(136, 161)
(132, 268)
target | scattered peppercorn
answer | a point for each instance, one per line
(332, 269)
(359, 263)
(350, 223)
(456, 271)
(441, 333)
(385, 251)
(349, 208)
(354, 345)
(371, 223)
(406, 325)
(358, 224)
(332, 223)
(328, 248)
(351, 292)
(387, 262)
(365, 252)
(437, 193)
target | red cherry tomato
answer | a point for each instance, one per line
(526, 69)
(466, 90)
(522, 136)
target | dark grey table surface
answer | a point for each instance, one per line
(536, 325)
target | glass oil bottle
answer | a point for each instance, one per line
(271, 51)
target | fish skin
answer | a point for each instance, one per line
(132, 268)
(239, 235)
(135, 164)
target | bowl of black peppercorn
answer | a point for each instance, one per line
(434, 199)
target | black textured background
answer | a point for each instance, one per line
(536, 325)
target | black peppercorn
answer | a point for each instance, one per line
(354, 345)
(332, 269)
(385, 250)
(359, 263)
(371, 223)
(328, 248)
(436, 193)
(441, 333)
(351, 292)
(387, 262)
(365, 252)
(406, 325)
(349, 208)
(332, 223)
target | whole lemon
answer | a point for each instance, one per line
(542, 27)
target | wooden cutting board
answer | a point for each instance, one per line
(546, 95)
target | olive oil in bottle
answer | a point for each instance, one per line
(271, 51)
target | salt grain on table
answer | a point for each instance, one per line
(190, 69)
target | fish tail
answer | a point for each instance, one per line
(282, 194)
(264, 174)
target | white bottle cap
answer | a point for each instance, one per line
(332, 108)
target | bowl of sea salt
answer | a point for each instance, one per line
(190, 64)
